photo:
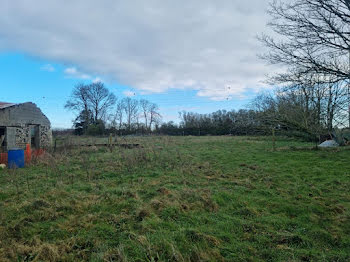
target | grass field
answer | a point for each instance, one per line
(179, 199)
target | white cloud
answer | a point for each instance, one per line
(96, 80)
(203, 45)
(48, 68)
(129, 93)
(73, 72)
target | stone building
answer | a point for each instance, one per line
(22, 124)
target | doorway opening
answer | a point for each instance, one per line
(2, 139)
(34, 137)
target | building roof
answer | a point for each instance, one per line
(5, 105)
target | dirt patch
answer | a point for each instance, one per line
(164, 191)
(142, 214)
(251, 167)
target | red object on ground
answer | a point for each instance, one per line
(3, 158)
(39, 152)
(28, 154)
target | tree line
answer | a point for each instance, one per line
(287, 111)
(221, 122)
(99, 112)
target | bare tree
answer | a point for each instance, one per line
(314, 36)
(286, 111)
(79, 102)
(91, 103)
(131, 109)
(100, 100)
(119, 113)
(145, 107)
(150, 112)
(314, 46)
(154, 115)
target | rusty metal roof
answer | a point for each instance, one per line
(5, 105)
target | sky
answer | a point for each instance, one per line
(198, 55)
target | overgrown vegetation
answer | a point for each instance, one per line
(179, 199)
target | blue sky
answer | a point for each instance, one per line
(25, 78)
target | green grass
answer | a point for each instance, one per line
(180, 199)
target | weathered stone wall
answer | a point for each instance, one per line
(22, 137)
(45, 134)
(18, 137)
(11, 137)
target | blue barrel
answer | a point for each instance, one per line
(16, 158)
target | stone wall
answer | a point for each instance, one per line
(22, 136)
(45, 134)
(11, 137)
(18, 137)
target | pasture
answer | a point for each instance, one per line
(179, 199)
